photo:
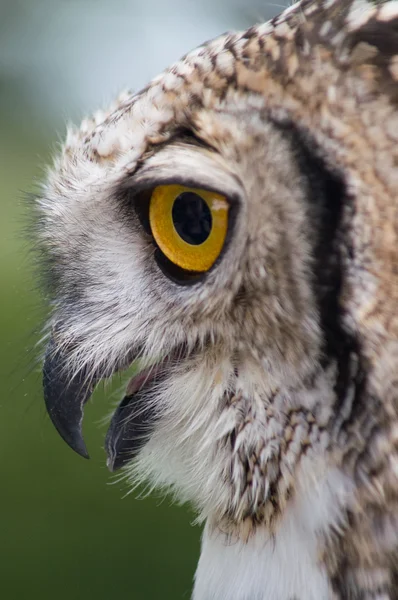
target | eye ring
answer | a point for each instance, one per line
(200, 254)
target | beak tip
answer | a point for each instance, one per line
(82, 450)
(65, 399)
(111, 466)
(114, 461)
(76, 442)
(72, 436)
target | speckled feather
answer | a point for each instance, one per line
(306, 457)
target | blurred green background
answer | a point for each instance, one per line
(67, 528)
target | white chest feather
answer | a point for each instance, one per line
(285, 566)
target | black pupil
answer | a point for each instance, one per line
(191, 218)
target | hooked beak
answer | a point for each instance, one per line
(65, 395)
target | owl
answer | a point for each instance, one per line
(232, 231)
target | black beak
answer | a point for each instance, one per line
(65, 397)
(66, 393)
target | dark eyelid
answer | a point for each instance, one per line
(140, 203)
(175, 273)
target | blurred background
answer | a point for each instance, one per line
(67, 528)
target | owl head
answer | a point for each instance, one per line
(195, 229)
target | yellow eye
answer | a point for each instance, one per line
(189, 225)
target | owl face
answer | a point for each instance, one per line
(244, 323)
(216, 230)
